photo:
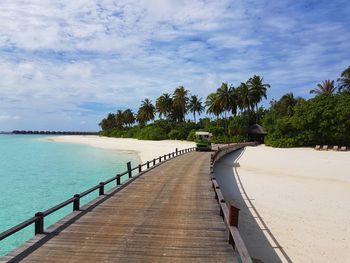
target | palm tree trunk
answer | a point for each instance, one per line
(225, 121)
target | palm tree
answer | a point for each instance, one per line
(244, 97)
(146, 112)
(288, 101)
(344, 80)
(226, 98)
(164, 105)
(128, 117)
(180, 101)
(109, 122)
(213, 104)
(257, 89)
(195, 105)
(119, 119)
(326, 88)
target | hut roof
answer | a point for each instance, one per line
(256, 129)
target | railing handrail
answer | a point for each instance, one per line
(38, 219)
(222, 151)
(228, 210)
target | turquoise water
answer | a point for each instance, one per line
(36, 174)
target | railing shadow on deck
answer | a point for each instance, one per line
(228, 210)
(252, 233)
(42, 236)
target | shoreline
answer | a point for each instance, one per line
(146, 150)
(301, 194)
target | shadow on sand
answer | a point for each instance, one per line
(251, 225)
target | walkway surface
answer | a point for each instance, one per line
(167, 215)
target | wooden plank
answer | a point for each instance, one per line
(239, 243)
(167, 215)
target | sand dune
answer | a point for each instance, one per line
(147, 150)
(303, 196)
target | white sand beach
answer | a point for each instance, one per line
(303, 195)
(147, 150)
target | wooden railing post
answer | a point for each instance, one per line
(140, 168)
(39, 223)
(164, 157)
(76, 203)
(147, 164)
(233, 214)
(101, 189)
(154, 161)
(128, 165)
(160, 158)
(118, 179)
(176, 150)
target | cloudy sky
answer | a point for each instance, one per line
(65, 64)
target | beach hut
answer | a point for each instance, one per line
(256, 133)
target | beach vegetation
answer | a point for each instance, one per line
(325, 88)
(320, 120)
(180, 104)
(195, 106)
(230, 112)
(171, 110)
(344, 81)
(164, 105)
(146, 112)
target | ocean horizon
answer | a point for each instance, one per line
(36, 174)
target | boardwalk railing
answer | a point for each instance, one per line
(228, 211)
(38, 219)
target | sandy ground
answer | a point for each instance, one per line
(303, 196)
(147, 150)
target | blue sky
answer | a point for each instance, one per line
(66, 64)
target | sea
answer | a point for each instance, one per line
(37, 174)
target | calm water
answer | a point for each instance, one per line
(36, 174)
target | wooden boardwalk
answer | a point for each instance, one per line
(169, 214)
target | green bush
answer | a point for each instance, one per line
(238, 138)
(321, 120)
(238, 126)
(151, 133)
(174, 135)
(220, 139)
(132, 132)
(215, 130)
(191, 136)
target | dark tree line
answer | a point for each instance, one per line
(324, 119)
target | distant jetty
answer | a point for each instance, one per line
(55, 132)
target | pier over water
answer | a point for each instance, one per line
(167, 214)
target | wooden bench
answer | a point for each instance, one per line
(318, 147)
(335, 148)
(325, 147)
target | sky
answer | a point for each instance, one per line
(65, 64)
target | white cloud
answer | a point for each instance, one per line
(58, 55)
(6, 117)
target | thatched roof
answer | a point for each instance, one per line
(256, 129)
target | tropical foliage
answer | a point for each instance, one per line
(230, 110)
(344, 81)
(172, 110)
(321, 120)
(195, 106)
(325, 88)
